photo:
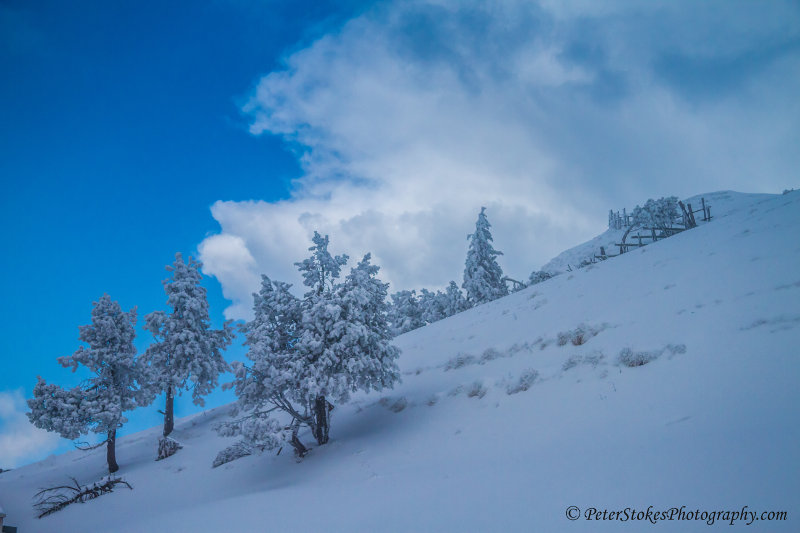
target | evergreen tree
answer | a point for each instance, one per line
(538, 276)
(483, 277)
(321, 330)
(272, 380)
(365, 348)
(306, 352)
(431, 306)
(98, 404)
(453, 301)
(187, 354)
(405, 313)
(656, 213)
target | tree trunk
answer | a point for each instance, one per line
(321, 419)
(169, 412)
(299, 449)
(111, 451)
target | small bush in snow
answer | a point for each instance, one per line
(231, 453)
(578, 336)
(476, 390)
(524, 382)
(459, 360)
(676, 348)
(394, 406)
(632, 359)
(167, 447)
(490, 355)
(455, 391)
(538, 277)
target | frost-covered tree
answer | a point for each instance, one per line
(304, 353)
(405, 312)
(321, 333)
(365, 348)
(538, 276)
(657, 214)
(96, 405)
(272, 380)
(430, 306)
(453, 300)
(483, 277)
(187, 353)
(441, 304)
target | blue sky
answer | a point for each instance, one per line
(233, 129)
(121, 126)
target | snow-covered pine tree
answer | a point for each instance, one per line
(453, 301)
(365, 349)
(187, 353)
(483, 277)
(271, 382)
(656, 213)
(405, 313)
(96, 405)
(322, 329)
(431, 306)
(304, 352)
(538, 276)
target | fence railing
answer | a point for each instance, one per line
(647, 235)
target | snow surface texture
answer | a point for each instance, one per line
(664, 377)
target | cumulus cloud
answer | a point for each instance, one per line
(20, 441)
(415, 114)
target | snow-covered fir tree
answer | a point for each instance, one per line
(441, 304)
(430, 306)
(538, 276)
(308, 352)
(656, 213)
(187, 353)
(483, 277)
(96, 405)
(452, 300)
(405, 313)
(365, 348)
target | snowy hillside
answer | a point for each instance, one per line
(666, 377)
(722, 203)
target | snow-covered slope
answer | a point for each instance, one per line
(722, 203)
(710, 422)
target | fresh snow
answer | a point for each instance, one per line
(501, 422)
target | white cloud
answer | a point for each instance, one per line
(21, 441)
(416, 114)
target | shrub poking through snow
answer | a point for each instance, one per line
(580, 335)
(523, 382)
(490, 354)
(167, 447)
(476, 390)
(632, 359)
(231, 453)
(460, 360)
(394, 405)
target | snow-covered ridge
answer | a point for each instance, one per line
(513, 411)
(723, 203)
